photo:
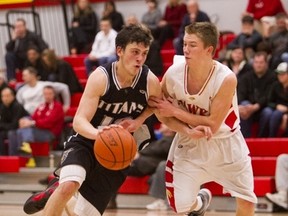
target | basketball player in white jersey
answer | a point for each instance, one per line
(202, 91)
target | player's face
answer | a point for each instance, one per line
(193, 48)
(133, 57)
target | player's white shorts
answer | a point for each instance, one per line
(225, 161)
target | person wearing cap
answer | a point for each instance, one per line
(277, 107)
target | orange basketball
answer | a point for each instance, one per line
(115, 148)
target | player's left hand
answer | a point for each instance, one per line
(130, 124)
(164, 107)
(201, 132)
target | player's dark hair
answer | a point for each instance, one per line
(206, 31)
(137, 33)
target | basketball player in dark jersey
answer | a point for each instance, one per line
(115, 94)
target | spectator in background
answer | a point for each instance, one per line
(10, 113)
(237, 62)
(84, 27)
(252, 90)
(3, 84)
(34, 60)
(22, 39)
(248, 39)
(259, 9)
(278, 40)
(274, 114)
(30, 95)
(281, 179)
(45, 125)
(169, 25)
(152, 17)
(103, 48)
(131, 20)
(111, 13)
(194, 14)
(61, 71)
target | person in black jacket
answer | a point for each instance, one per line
(34, 60)
(111, 13)
(17, 48)
(252, 91)
(277, 108)
(10, 113)
(85, 25)
(248, 39)
(59, 70)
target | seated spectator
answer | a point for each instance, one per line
(252, 91)
(61, 71)
(248, 39)
(3, 84)
(273, 115)
(84, 27)
(22, 39)
(237, 62)
(261, 9)
(30, 95)
(157, 188)
(112, 14)
(281, 179)
(152, 17)
(154, 59)
(103, 48)
(278, 40)
(10, 113)
(169, 25)
(131, 20)
(45, 125)
(34, 60)
(194, 14)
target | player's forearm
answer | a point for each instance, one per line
(144, 115)
(84, 128)
(175, 124)
(191, 119)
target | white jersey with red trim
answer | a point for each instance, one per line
(200, 103)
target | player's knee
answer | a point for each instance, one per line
(67, 189)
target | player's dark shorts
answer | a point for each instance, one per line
(100, 183)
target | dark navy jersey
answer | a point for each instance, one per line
(118, 103)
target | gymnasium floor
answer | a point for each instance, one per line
(16, 210)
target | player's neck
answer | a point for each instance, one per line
(200, 69)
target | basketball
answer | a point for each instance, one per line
(115, 148)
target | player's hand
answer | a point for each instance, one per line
(199, 132)
(164, 107)
(102, 128)
(130, 124)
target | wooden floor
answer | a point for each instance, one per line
(16, 210)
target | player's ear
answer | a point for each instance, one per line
(119, 51)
